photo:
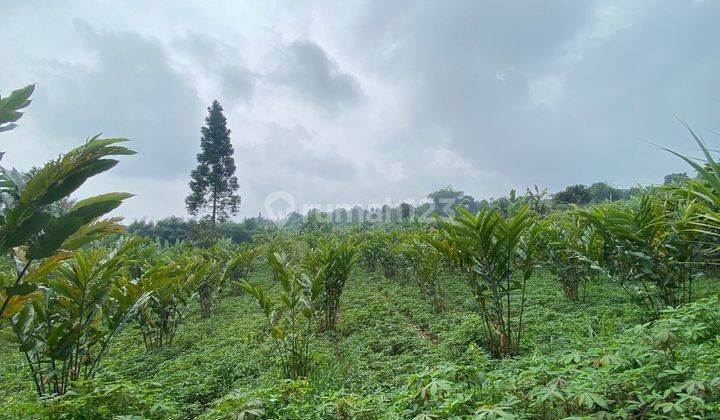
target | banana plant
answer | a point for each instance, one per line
(290, 318)
(497, 257)
(67, 329)
(330, 263)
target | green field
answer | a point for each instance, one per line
(394, 356)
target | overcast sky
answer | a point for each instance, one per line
(338, 102)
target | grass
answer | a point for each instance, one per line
(386, 333)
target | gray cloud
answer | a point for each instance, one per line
(221, 62)
(284, 161)
(237, 82)
(308, 70)
(377, 99)
(474, 71)
(128, 89)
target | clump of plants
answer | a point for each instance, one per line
(291, 318)
(425, 266)
(241, 266)
(648, 248)
(173, 284)
(380, 251)
(67, 328)
(64, 306)
(569, 248)
(497, 256)
(329, 264)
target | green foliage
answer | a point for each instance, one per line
(67, 328)
(426, 265)
(440, 350)
(676, 179)
(329, 264)
(648, 248)
(173, 284)
(703, 190)
(207, 269)
(573, 194)
(33, 234)
(241, 266)
(601, 192)
(36, 238)
(569, 248)
(214, 185)
(290, 325)
(651, 370)
(490, 250)
(380, 249)
(11, 105)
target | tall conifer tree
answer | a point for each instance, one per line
(213, 184)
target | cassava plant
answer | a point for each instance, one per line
(290, 318)
(497, 257)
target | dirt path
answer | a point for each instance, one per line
(423, 332)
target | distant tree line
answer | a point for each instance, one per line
(444, 201)
(175, 229)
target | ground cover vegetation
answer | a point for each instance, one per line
(530, 306)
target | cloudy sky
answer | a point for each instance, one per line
(369, 101)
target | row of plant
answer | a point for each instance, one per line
(67, 301)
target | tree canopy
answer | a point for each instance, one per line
(213, 185)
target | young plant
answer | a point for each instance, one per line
(330, 264)
(240, 266)
(569, 247)
(380, 250)
(67, 329)
(647, 248)
(291, 318)
(426, 266)
(161, 315)
(497, 256)
(208, 285)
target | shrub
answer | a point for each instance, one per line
(490, 251)
(330, 264)
(648, 248)
(425, 266)
(173, 285)
(290, 325)
(568, 249)
(66, 330)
